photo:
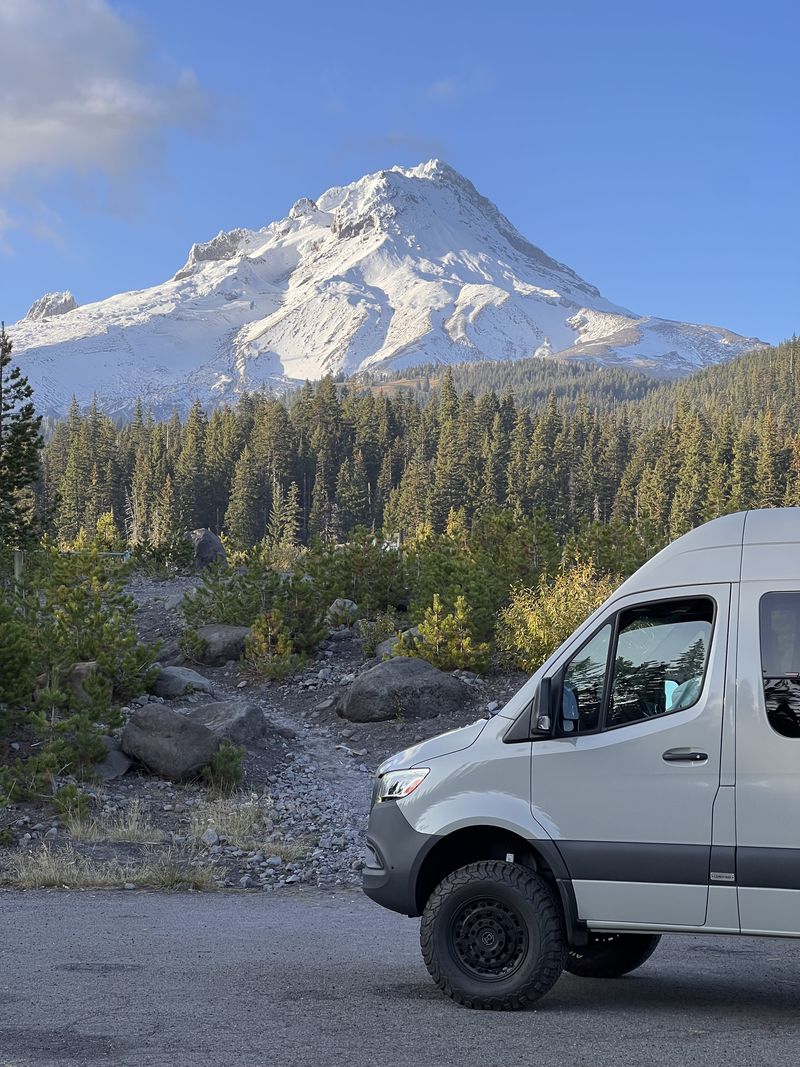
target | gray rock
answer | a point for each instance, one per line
(207, 546)
(169, 654)
(173, 682)
(115, 764)
(168, 743)
(237, 720)
(342, 612)
(402, 686)
(209, 837)
(337, 636)
(222, 643)
(77, 676)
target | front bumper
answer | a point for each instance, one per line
(395, 853)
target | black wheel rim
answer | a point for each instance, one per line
(489, 939)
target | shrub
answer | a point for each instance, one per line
(446, 639)
(71, 803)
(239, 597)
(193, 646)
(376, 631)
(538, 620)
(226, 769)
(268, 651)
(232, 597)
(71, 609)
(365, 570)
(441, 565)
(16, 656)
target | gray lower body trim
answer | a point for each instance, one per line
(633, 861)
(671, 864)
(768, 868)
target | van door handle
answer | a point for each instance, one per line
(684, 755)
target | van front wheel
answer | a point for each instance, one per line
(492, 936)
(611, 955)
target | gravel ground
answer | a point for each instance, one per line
(313, 769)
(309, 977)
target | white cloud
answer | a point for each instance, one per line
(82, 92)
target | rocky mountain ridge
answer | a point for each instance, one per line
(405, 266)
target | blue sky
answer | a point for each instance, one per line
(652, 147)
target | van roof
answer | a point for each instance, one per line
(758, 545)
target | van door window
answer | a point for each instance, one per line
(584, 684)
(660, 659)
(780, 660)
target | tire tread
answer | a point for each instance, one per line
(551, 925)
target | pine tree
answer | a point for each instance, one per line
(190, 469)
(352, 507)
(165, 528)
(244, 519)
(20, 444)
(321, 517)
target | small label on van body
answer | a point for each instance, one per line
(718, 876)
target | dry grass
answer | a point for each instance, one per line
(246, 824)
(65, 868)
(132, 826)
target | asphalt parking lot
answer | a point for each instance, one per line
(139, 979)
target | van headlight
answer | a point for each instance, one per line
(394, 785)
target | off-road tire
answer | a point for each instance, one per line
(611, 955)
(518, 912)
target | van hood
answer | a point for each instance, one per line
(441, 745)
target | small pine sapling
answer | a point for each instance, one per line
(268, 651)
(446, 639)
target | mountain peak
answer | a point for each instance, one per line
(404, 266)
(51, 304)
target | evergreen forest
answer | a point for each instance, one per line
(610, 456)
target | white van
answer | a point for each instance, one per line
(645, 780)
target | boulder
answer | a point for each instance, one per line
(222, 643)
(174, 682)
(77, 676)
(342, 612)
(167, 743)
(169, 654)
(403, 686)
(115, 764)
(207, 547)
(241, 722)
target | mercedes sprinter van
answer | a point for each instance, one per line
(645, 780)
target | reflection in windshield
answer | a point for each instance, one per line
(659, 663)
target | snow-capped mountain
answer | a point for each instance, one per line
(403, 267)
